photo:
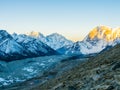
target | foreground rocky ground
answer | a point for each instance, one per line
(98, 73)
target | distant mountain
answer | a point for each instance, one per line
(37, 35)
(36, 44)
(54, 40)
(9, 48)
(97, 40)
(33, 45)
(21, 46)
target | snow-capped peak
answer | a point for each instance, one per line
(33, 33)
(53, 40)
(97, 40)
(57, 41)
(4, 34)
(103, 32)
(36, 34)
(100, 32)
(21, 46)
(55, 35)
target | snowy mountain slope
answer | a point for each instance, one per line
(37, 35)
(15, 47)
(54, 40)
(97, 40)
(36, 44)
(9, 48)
(33, 45)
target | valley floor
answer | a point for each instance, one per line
(27, 73)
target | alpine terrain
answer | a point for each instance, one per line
(98, 73)
(16, 47)
(33, 61)
(54, 40)
(99, 39)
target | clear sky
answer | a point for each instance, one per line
(71, 18)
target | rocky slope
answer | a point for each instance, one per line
(98, 73)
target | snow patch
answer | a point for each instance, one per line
(28, 69)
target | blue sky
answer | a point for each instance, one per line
(71, 18)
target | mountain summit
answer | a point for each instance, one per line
(15, 47)
(54, 40)
(57, 41)
(35, 34)
(99, 38)
(106, 33)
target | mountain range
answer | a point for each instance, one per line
(98, 39)
(34, 44)
(54, 40)
(77, 69)
(100, 72)
(15, 47)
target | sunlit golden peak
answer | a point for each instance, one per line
(33, 33)
(104, 32)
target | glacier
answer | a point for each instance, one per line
(21, 70)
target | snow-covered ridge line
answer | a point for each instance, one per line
(36, 44)
(53, 40)
(99, 38)
(21, 46)
(104, 32)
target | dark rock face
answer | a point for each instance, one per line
(116, 66)
(71, 88)
(110, 88)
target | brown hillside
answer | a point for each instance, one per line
(99, 73)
